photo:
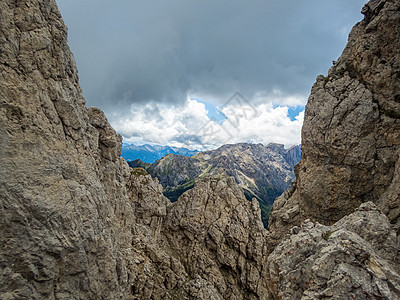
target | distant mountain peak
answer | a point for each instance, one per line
(263, 171)
(150, 153)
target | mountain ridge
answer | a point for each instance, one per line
(150, 153)
(263, 171)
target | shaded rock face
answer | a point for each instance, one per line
(62, 183)
(351, 131)
(75, 221)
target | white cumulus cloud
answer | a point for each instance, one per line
(189, 126)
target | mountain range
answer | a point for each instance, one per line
(150, 153)
(263, 172)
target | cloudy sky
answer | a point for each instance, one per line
(202, 73)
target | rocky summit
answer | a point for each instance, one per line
(77, 223)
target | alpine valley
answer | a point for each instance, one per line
(263, 172)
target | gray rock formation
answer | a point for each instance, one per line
(351, 131)
(353, 259)
(219, 236)
(62, 183)
(77, 223)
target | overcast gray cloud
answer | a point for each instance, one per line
(131, 51)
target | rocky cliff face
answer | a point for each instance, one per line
(77, 223)
(210, 244)
(351, 132)
(62, 184)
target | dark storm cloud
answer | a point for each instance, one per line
(137, 51)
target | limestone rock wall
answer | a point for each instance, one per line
(62, 183)
(351, 131)
(77, 223)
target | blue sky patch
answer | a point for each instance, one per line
(294, 111)
(213, 112)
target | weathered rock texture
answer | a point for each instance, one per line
(210, 244)
(351, 131)
(223, 236)
(62, 183)
(77, 223)
(353, 259)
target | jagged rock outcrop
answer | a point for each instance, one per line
(351, 131)
(225, 241)
(210, 244)
(353, 259)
